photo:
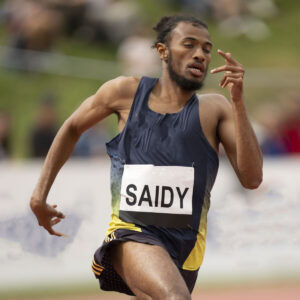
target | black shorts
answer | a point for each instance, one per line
(108, 278)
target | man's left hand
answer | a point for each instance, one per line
(233, 77)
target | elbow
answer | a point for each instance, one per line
(252, 186)
(252, 183)
(71, 129)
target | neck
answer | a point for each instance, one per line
(168, 91)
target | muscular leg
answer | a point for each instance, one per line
(149, 272)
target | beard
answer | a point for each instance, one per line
(184, 83)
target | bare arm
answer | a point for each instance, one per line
(94, 109)
(235, 131)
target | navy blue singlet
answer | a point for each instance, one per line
(156, 148)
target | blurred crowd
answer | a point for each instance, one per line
(277, 126)
(36, 25)
(234, 17)
(43, 130)
(279, 129)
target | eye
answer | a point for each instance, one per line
(206, 50)
(188, 45)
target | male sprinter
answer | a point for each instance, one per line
(163, 163)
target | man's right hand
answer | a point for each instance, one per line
(47, 215)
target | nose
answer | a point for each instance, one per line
(199, 54)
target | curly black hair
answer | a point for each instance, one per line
(166, 24)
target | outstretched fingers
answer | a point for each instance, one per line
(228, 58)
(228, 68)
(233, 75)
(231, 65)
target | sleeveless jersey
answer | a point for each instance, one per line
(162, 171)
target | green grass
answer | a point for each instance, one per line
(35, 291)
(75, 47)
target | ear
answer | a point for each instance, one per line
(163, 51)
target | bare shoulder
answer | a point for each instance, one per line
(117, 93)
(213, 99)
(123, 86)
(215, 103)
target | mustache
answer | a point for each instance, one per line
(197, 65)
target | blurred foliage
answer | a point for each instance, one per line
(21, 91)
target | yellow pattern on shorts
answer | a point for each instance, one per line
(195, 259)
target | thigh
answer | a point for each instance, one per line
(148, 270)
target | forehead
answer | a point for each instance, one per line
(184, 30)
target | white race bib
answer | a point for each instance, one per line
(150, 193)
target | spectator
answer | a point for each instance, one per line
(241, 17)
(92, 142)
(45, 127)
(203, 8)
(72, 12)
(291, 125)
(137, 56)
(5, 135)
(225, 9)
(281, 124)
(112, 20)
(262, 8)
(31, 24)
(270, 118)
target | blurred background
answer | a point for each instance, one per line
(56, 53)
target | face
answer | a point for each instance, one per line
(189, 54)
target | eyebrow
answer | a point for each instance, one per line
(194, 39)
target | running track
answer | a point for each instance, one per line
(286, 292)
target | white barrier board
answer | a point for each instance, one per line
(250, 233)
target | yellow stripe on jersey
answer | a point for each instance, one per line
(195, 258)
(117, 223)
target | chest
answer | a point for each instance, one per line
(208, 121)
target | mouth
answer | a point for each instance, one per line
(196, 69)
